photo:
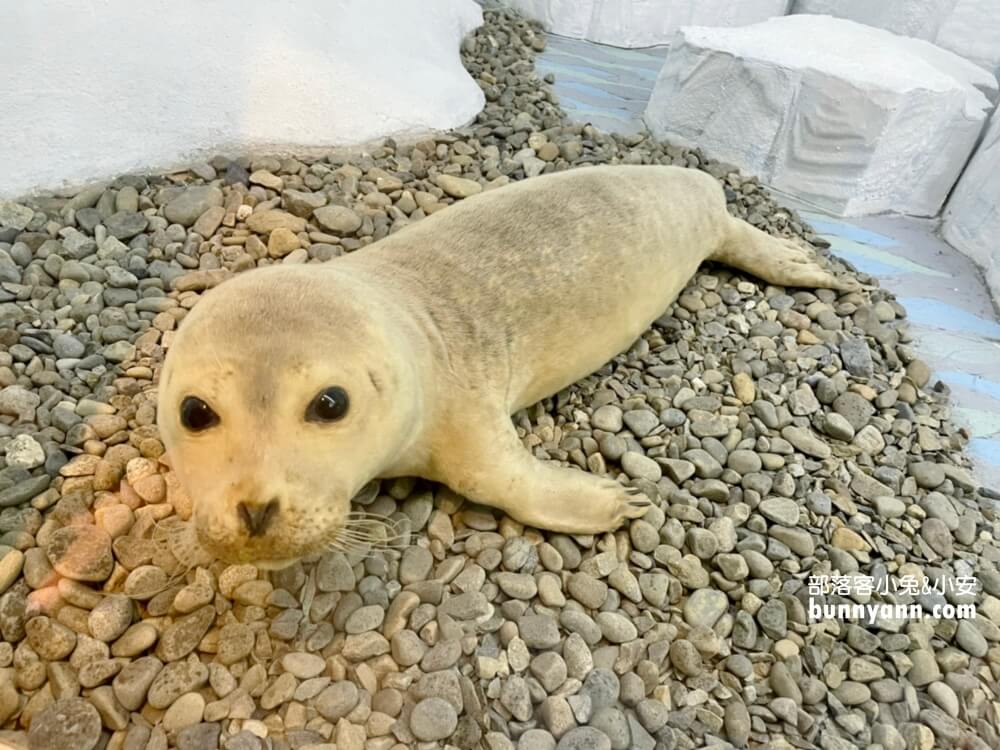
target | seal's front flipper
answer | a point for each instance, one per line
(777, 260)
(493, 467)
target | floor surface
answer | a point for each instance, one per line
(953, 320)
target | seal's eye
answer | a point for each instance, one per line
(328, 406)
(196, 415)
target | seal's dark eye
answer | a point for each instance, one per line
(328, 406)
(196, 415)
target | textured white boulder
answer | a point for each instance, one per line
(89, 90)
(972, 217)
(855, 119)
(642, 23)
(970, 28)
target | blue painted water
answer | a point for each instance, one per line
(937, 314)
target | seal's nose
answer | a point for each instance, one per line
(256, 517)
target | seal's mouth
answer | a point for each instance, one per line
(359, 532)
(275, 564)
(267, 552)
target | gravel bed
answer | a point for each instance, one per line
(783, 435)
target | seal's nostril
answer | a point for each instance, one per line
(256, 517)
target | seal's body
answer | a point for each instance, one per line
(434, 336)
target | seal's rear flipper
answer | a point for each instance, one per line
(776, 260)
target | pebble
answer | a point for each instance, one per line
(433, 719)
(11, 563)
(704, 607)
(302, 665)
(184, 712)
(774, 441)
(782, 510)
(24, 452)
(584, 738)
(192, 202)
(458, 187)
(110, 618)
(338, 219)
(338, 700)
(182, 636)
(539, 631)
(132, 683)
(80, 552)
(69, 724)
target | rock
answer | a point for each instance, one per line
(11, 562)
(782, 510)
(584, 738)
(857, 357)
(640, 422)
(744, 387)
(737, 723)
(304, 666)
(704, 607)
(337, 701)
(889, 507)
(768, 54)
(15, 215)
(208, 223)
(184, 712)
(925, 668)
(19, 402)
(266, 179)
(639, 466)
(266, 221)
(302, 203)
(110, 618)
(82, 553)
(685, 658)
(539, 631)
(204, 736)
(527, 633)
(337, 219)
(806, 441)
(928, 475)
(608, 418)
(182, 637)
(70, 724)
(191, 204)
(51, 640)
(433, 719)
(24, 452)
(458, 187)
(848, 539)
(125, 225)
(133, 682)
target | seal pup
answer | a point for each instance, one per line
(288, 388)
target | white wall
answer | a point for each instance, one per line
(970, 28)
(868, 122)
(972, 217)
(642, 23)
(93, 88)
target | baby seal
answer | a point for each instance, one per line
(288, 388)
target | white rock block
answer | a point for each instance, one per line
(854, 119)
(972, 217)
(970, 28)
(90, 90)
(642, 23)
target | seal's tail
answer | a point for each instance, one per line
(776, 260)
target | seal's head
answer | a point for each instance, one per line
(286, 390)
